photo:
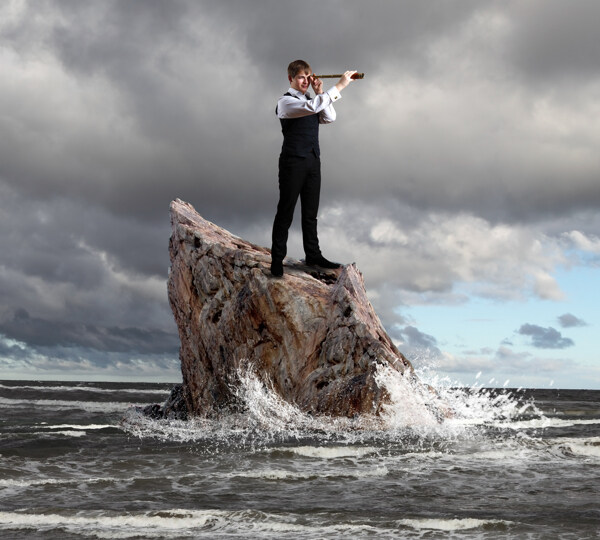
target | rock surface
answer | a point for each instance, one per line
(312, 335)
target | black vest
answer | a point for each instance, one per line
(300, 135)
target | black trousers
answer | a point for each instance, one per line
(298, 177)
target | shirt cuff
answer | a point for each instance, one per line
(334, 93)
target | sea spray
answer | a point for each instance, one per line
(474, 404)
(416, 414)
(411, 403)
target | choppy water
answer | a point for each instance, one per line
(78, 461)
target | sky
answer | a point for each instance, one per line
(461, 175)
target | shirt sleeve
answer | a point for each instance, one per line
(322, 104)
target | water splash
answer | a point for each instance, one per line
(417, 413)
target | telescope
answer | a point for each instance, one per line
(338, 75)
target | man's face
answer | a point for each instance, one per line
(301, 81)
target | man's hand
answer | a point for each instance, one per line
(345, 80)
(317, 84)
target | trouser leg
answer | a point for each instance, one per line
(291, 177)
(309, 198)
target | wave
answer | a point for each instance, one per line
(59, 404)
(452, 525)
(72, 433)
(48, 431)
(180, 523)
(331, 452)
(545, 422)
(92, 389)
(570, 447)
(318, 474)
(85, 427)
(69, 430)
(11, 483)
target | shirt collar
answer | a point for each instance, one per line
(297, 93)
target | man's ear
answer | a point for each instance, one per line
(290, 78)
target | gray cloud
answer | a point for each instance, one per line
(68, 363)
(162, 73)
(415, 338)
(420, 348)
(545, 338)
(569, 320)
(467, 147)
(48, 333)
(551, 41)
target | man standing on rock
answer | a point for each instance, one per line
(299, 162)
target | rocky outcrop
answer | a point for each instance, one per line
(312, 335)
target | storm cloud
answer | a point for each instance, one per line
(463, 165)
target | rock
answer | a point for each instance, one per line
(175, 408)
(312, 335)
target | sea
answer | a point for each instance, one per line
(78, 460)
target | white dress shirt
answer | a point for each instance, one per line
(321, 104)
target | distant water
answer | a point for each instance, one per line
(78, 461)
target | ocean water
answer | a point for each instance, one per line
(78, 460)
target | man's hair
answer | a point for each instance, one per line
(296, 67)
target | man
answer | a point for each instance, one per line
(299, 162)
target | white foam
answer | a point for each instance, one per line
(265, 406)
(86, 427)
(448, 525)
(111, 526)
(273, 474)
(54, 404)
(267, 417)
(18, 483)
(331, 452)
(7, 483)
(285, 474)
(585, 447)
(192, 523)
(95, 389)
(187, 524)
(410, 403)
(439, 409)
(545, 422)
(72, 430)
(71, 433)
(414, 410)
(417, 413)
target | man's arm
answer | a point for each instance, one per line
(345, 80)
(327, 115)
(321, 104)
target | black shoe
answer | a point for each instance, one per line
(322, 262)
(276, 268)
